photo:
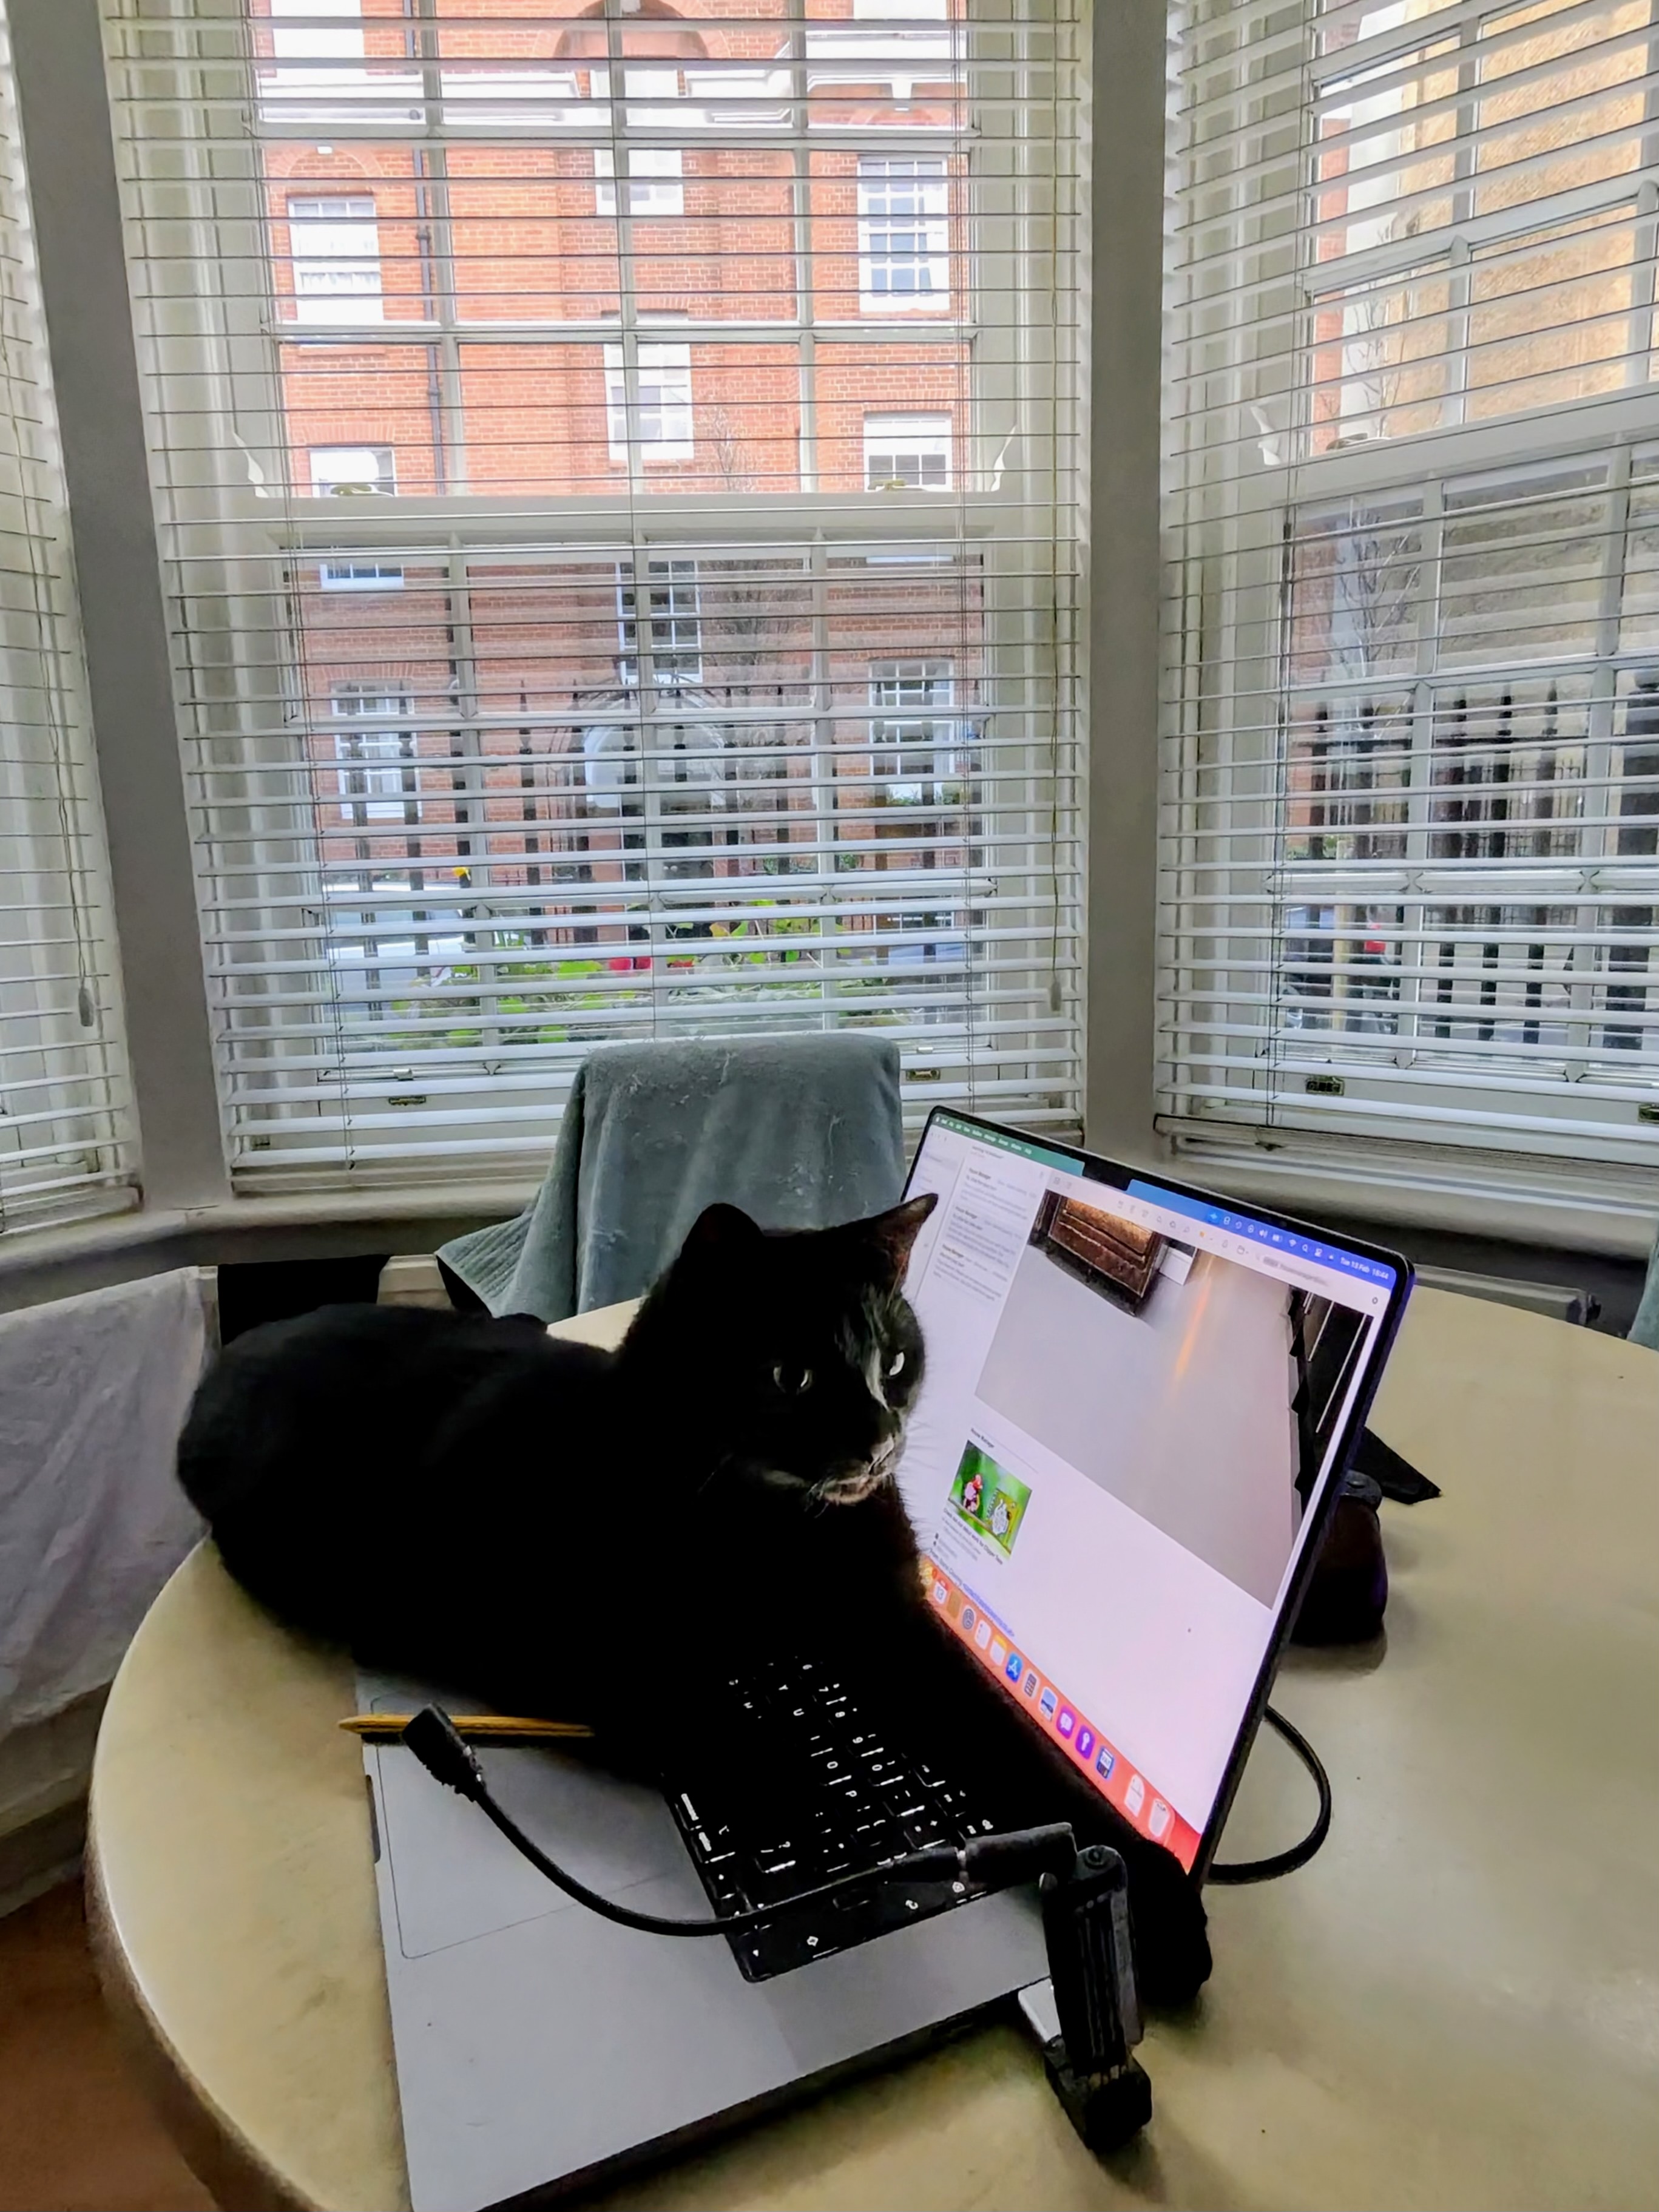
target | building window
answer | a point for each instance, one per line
(345, 471)
(334, 245)
(361, 576)
(907, 452)
(378, 780)
(673, 623)
(918, 756)
(904, 244)
(653, 181)
(661, 407)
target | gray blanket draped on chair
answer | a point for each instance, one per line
(801, 1131)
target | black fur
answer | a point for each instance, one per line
(601, 1536)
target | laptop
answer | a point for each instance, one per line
(1138, 1403)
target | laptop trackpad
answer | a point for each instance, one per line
(457, 1878)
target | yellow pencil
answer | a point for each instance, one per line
(477, 1728)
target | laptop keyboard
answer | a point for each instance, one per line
(871, 1805)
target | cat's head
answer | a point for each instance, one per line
(805, 1351)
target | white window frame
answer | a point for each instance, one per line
(378, 778)
(351, 472)
(913, 240)
(334, 256)
(655, 181)
(652, 401)
(673, 627)
(916, 450)
(920, 754)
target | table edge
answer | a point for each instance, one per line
(226, 2163)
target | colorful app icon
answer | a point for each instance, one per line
(982, 1633)
(1104, 1764)
(998, 1652)
(1158, 1819)
(1067, 1720)
(1134, 1796)
(969, 1617)
(1015, 1666)
(940, 1593)
(1085, 1742)
(953, 1603)
(1048, 1701)
(1033, 1682)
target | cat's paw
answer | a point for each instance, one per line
(1170, 1926)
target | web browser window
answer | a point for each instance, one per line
(1133, 1401)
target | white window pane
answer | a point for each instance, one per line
(378, 781)
(673, 627)
(661, 402)
(909, 453)
(904, 257)
(345, 469)
(653, 181)
(335, 253)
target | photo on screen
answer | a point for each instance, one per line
(1201, 1392)
(990, 1499)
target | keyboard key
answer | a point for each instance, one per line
(853, 1803)
(904, 1803)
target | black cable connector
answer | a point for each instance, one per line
(990, 1863)
(445, 1754)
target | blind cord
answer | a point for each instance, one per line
(1237, 1872)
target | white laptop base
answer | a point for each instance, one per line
(537, 2042)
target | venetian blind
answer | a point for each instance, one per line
(614, 465)
(66, 1135)
(1412, 811)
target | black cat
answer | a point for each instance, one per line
(607, 1536)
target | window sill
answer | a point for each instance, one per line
(36, 1265)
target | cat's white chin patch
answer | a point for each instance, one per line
(854, 1489)
(851, 1489)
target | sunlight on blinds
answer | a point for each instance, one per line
(1412, 859)
(66, 1138)
(616, 472)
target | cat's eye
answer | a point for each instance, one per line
(896, 1365)
(793, 1382)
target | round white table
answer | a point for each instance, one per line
(1455, 2005)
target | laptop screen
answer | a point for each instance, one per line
(1134, 1400)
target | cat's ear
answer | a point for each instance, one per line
(721, 1232)
(892, 1234)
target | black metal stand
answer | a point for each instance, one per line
(1102, 2087)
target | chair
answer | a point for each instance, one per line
(800, 1131)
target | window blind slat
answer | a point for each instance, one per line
(616, 477)
(1410, 885)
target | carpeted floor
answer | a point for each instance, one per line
(76, 2134)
